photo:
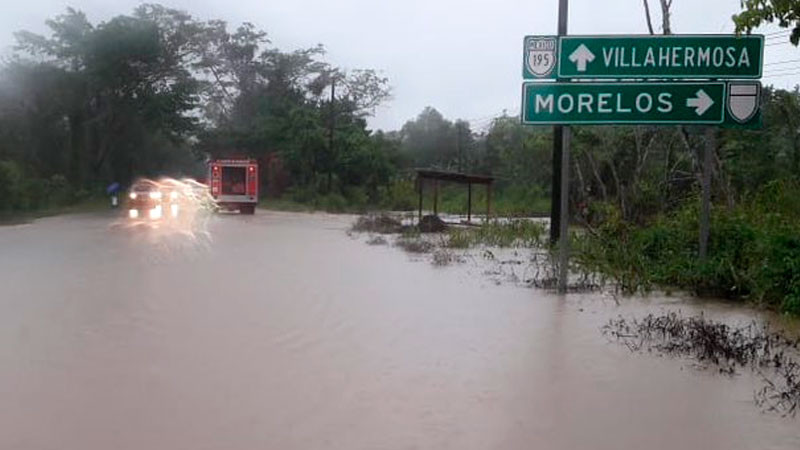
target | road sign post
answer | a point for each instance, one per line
(542, 53)
(563, 247)
(655, 82)
(623, 103)
(670, 56)
(643, 57)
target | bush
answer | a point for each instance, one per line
(753, 254)
(59, 192)
(356, 198)
(305, 194)
(20, 191)
(331, 203)
(513, 233)
(399, 195)
(10, 185)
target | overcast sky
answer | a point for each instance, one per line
(462, 57)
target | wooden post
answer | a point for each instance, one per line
(705, 208)
(436, 198)
(469, 202)
(421, 182)
(488, 201)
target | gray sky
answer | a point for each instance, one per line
(462, 57)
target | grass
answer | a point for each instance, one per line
(413, 244)
(286, 205)
(509, 201)
(727, 348)
(382, 224)
(512, 233)
(85, 206)
(753, 253)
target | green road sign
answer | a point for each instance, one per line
(671, 56)
(626, 103)
(540, 57)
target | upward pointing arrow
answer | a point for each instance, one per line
(581, 56)
(701, 103)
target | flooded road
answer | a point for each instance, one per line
(281, 332)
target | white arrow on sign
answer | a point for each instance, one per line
(701, 103)
(581, 56)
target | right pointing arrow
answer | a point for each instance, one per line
(701, 103)
(581, 56)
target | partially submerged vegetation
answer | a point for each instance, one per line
(726, 348)
(381, 223)
(508, 250)
(511, 233)
(91, 204)
(754, 250)
(496, 233)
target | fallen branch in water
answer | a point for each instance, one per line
(770, 354)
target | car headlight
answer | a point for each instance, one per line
(173, 195)
(155, 195)
(155, 213)
(133, 214)
(132, 195)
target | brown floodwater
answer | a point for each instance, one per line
(278, 331)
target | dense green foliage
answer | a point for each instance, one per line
(512, 233)
(756, 12)
(156, 92)
(754, 249)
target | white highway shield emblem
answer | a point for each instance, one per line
(541, 56)
(743, 100)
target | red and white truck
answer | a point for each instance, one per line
(234, 183)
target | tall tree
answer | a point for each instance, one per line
(786, 13)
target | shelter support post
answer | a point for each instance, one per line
(436, 198)
(421, 182)
(488, 201)
(469, 202)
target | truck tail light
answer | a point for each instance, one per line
(252, 180)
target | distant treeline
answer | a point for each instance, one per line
(157, 91)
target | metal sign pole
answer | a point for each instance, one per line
(558, 142)
(563, 244)
(561, 164)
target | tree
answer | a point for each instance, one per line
(757, 12)
(430, 140)
(133, 95)
(123, 81)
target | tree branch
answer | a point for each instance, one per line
(647, 16)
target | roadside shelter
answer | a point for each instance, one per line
(434, 177)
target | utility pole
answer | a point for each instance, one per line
(558, 146)
(330, 134)
(705, 209)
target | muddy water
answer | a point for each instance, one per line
(279, 331)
